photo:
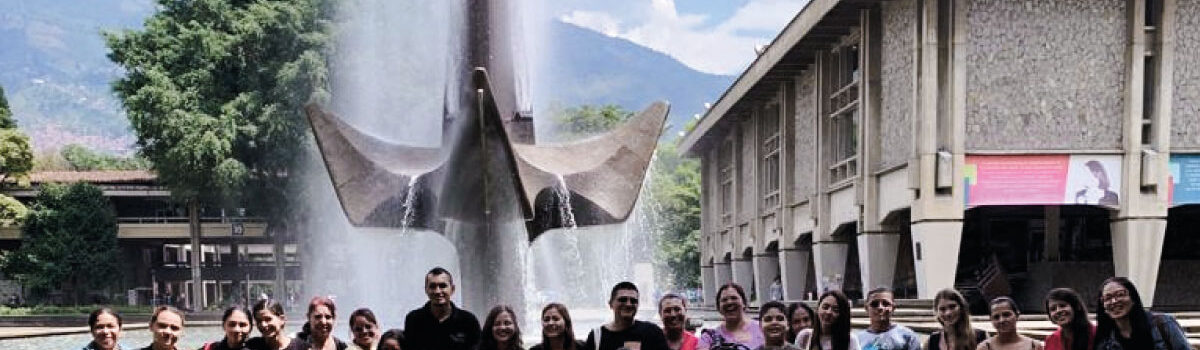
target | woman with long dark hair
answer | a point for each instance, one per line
(957, 333)
(364, 329)
(802, 317)
(269, 318)
(736, 327)
(237, 326)
(1066, 310)
(1004, 315)
(557, 331)
(832, 329)
(500, 330)
(105, 327)
(1124, 324)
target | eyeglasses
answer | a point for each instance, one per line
(1114, 296)
(630, 300)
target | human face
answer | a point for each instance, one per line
(624, 304)
(1004, 319)
(880, 307)
(827, 312)
(1061, 312)
(167, 328)
(439, 289)
(774, 325)
(948, 311)
(731, 303)
(237, 328)
(672, 313)
(504, 328)
(801, 320)
(321, 321)
(1116, 300)
(364, 331)
(268, 323)
(390, 344)
(553, 324)
(106, 332)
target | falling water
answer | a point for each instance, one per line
(565, 211)
(409, 199)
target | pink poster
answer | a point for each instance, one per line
(1042, 179)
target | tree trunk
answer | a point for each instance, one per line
(196, 295)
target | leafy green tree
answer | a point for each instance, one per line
(70, 243)
(214, 92)
(16, 160)
(6, 117)
(81, 158)
(587, 120)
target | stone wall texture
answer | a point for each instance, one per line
(1185, 118)
(804, 182)
(897, 75)
(1045, 75)
(747, 181)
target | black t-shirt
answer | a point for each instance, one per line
(935, 339)
(649, 335)
(578, 345)
(260, 343)
(423, 331)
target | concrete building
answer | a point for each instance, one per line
(994, 146)
(238, 258)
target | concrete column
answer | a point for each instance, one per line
(829, 260)
(1137, 251)
(723, 274)
(743, 274)
(877, 258)
(708, 285)
(935, 255)
(766, 269)
(794, 271)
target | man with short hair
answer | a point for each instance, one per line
(439, 325)
(882, 334)
(672, 309)
(624, 331)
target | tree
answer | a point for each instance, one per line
(70, 243)
(6, 117)
(16, 160)
(587, 120)
(81, 158)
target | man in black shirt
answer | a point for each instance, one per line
(439, 325)
(624, 331)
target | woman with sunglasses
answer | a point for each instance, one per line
(1124, 324)
(364, 329)
(736, 328)
(832, 329)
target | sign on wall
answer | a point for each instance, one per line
(1043, 179)
(1185, 179)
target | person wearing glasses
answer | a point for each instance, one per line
(439, 325)
(1124, 324)
(364, 330)
(624, 331)
(736, 327)
(882, 334)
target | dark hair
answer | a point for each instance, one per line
(568, 330)
(270, 305)
(1079, 325)
(1106, 326)
(1012, 304)
(671, 296)
(364, 313)
(762, 310)
(1095, 166)
(840, 330)
(161, 309)
(960, 333)
(230, 310)
(812, 316)
(880, 290)
(396, 334)
(438, 270)
(321, 301)
(737, 288)
(95, 317)
(626, 285)
(487, 340)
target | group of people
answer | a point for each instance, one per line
(1122, 324)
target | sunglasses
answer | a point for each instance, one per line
(879, 304)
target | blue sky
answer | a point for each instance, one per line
(712, 36)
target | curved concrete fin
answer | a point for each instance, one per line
(367, 173)
(606, 170)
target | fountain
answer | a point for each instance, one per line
(485, 185)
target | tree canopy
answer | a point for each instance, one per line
(70, 243)
(587, 120)
(81, 158)
(6, 117)
(214, 91)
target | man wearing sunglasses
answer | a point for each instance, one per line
(882, 334)
(624, 332)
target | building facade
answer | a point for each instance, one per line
(1001, 147)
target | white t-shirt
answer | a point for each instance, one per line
(803, 338)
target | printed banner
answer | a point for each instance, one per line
(1043, 179)
(1185, 179)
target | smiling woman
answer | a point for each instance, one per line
(736, 328)
(166, 324)
(1125, 324)
(500, 330)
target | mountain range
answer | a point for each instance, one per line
(57, 78)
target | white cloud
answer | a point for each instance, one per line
(722, 48)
